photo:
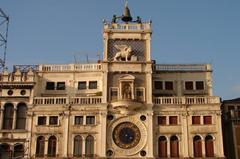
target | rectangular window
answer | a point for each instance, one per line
(78, 120)
(231, 108)
(60, 85)
(173, 120)
(162, 120)
(199, 85)
(207, 119)
(53, 120)
(114, 94)
(82, 85)
(158, 85)
(42, 120)
(188, 85)
(90, 120)
(92, 84)
(238, 112)
(169, 85)
(196, 120)
(50, 86)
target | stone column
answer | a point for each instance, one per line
(185, 136)
(14, 118)
(84, 145)
(149, 87)
(219, 137)
(203, 147)
(65, 121)
(1, 118)
(104, 82)
(150, 134)
(102, 136)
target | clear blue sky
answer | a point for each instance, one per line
(184, 31)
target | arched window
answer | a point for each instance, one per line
(209, 147)
(21, 116)
(8, 116)
(18, 151)
(5, 151)
(197, 146)
(162, 146)
(52, 143)
(78, 146)
(89, 148)
(40, 146)
(174, 146)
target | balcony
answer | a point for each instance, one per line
(127, 27)
(66, 100)
(182, 67)
(186, 100)
(70, 67)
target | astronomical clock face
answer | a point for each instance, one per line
(126, 135)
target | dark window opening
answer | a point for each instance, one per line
(199, 85)
(42, 120)
(195, 120)
(89, 147)
(169, 85)
(8, 116)
(173, 120)
(77, 151)
(188, 85)
(162, 147)
(60, 85)
(53, 120)
(40, 146)
(158, 85)
(92, 84)
(82, 85)
(52, 142)
(78, 120)
(197, 146)
(21, 116)
(162, 120)
(90, 120)
(207, 119)
(50, 86)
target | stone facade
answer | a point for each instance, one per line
(231, 127)
(125, 106)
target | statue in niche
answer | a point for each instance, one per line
(127, 94)
(124, 53)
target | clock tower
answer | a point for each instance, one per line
(127, 79)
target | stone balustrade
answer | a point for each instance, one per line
(182, 67)
(127, 26)
(66, 100)
(186, 100)
(70, 67)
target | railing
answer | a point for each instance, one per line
(70, 67)
(66, 100)
(186, 100)
(129, 26)
(183, 67)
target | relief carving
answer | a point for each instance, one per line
(124, 53)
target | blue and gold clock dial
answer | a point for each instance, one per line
(126, 135)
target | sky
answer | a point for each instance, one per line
(184, 31)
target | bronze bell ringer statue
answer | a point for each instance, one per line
(126, 17)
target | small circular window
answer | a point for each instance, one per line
(143, 117)
(110, 117)
(23, 92)
(143, 153)
(10, 92)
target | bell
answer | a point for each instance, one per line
(127, 15)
